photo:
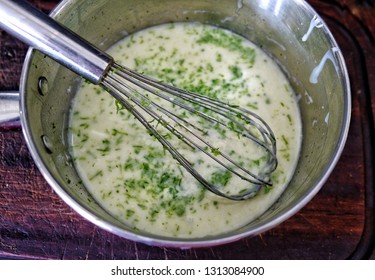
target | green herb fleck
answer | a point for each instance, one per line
(216, 151)
(221, 178)
(119, 106)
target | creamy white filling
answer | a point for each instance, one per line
(129, 173)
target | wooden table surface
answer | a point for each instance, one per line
(339, 223)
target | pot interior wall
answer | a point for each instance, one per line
(277, 28)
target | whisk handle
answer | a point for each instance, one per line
(40, 31)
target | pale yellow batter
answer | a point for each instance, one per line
(130, 174)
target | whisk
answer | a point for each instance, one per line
(182, 127)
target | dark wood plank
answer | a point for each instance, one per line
(337, 224)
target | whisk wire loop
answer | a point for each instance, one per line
(133, 90)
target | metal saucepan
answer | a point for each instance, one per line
(290, 31)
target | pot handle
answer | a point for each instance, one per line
(9, 109)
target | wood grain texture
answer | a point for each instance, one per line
(337, 224)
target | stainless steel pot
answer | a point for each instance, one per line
(290, 31)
